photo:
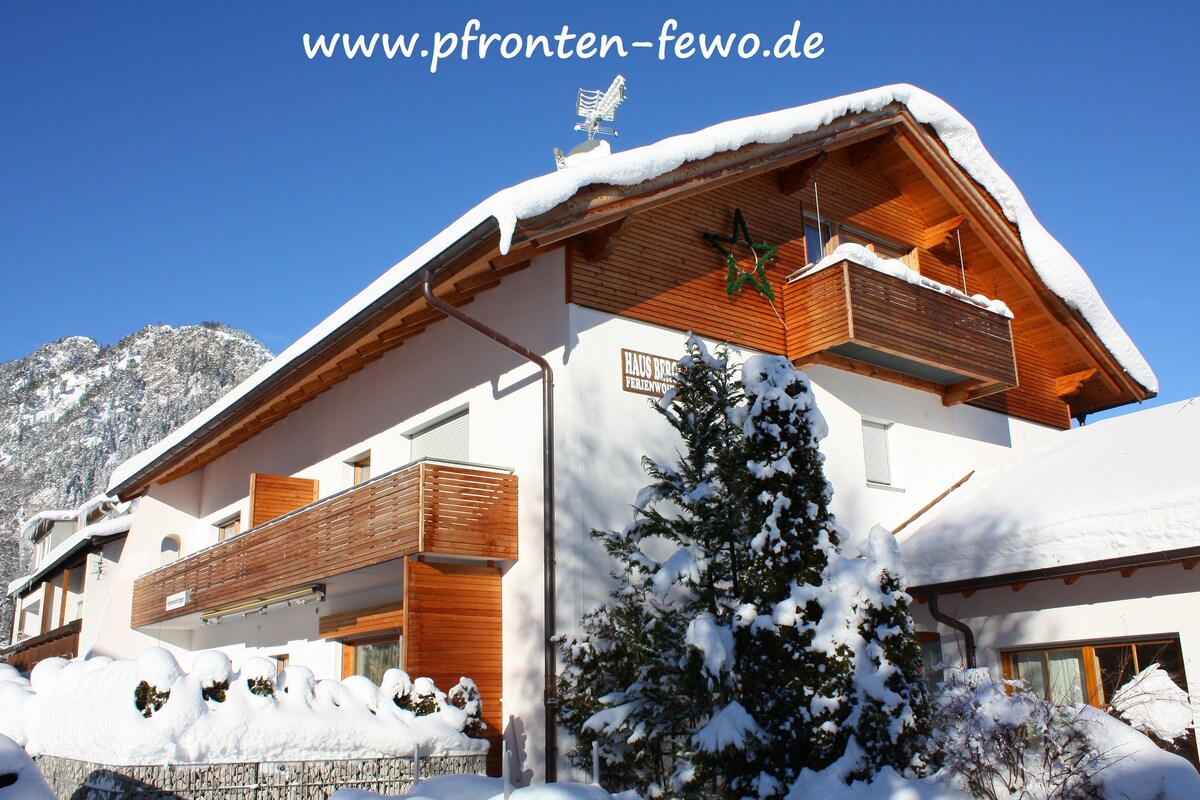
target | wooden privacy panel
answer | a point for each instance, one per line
(453, 629)
(273, 496)
(420, 508)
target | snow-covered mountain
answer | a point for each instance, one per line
(73, 410)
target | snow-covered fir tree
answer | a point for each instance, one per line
(739, 646)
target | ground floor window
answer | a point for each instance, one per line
(931, 659)
(1092, 673)
(371, 657)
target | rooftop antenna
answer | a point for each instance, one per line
(596, 107)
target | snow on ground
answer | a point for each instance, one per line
(1123, 486)
(1061, 273)
(85, 709)
(19, 776)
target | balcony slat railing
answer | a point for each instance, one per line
(853, 312)
(422, 508)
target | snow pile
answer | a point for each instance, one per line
(149, 711)
(1122, 487)
(1152, 703)
(1056, 267)
(897, 269)
(19, 776)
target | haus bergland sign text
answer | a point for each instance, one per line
(644, 373)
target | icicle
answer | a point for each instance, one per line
(961, 264)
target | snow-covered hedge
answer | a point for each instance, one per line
(149, 711)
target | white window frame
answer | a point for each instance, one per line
(877, 453)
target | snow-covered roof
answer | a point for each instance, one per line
(72, 544)
(1126, 486)
(1058, 270)
(53, 515)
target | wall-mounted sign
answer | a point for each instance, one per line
(643, 373)
(178, 600)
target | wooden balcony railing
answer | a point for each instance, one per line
(856, 318)
(422, 508)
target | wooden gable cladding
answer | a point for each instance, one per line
(661, 269)
(454, 629)
(273, 496)
(419, 508)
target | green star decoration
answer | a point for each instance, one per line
(763, 253)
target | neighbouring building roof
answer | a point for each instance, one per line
(505, 209)
(1123, 490)
(103, 529)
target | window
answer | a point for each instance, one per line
(360, 468)
(1091, 673)
(875, 452)
(371, 657)
(931, 659)
(168, 550)
(281, 662)
(229, 528)
(445, 439)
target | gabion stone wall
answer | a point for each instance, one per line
(268, 780)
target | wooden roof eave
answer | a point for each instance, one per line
(484, 236)
(1127, 564)
(1003, 239)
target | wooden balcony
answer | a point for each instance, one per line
(855, 318)
(421, 508)
(62, 642)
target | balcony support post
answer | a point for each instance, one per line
(549, 610)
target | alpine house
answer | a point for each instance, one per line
(412, 483)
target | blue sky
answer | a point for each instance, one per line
(186, 161)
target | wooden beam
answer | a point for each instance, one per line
(1070, 384)
(968, 592)
(1070, 579)
(1128, 572)
(1191, 563)
(973, 389)
(1018, 586)
(794, 178)
(936, 234)
(600, 243)
(866, 151)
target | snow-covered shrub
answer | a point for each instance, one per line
(149, 699)
(422, 698)
(997, 740)
(465, 695)
(1155, 705)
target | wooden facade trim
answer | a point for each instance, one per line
(424, 507)
(387, 618)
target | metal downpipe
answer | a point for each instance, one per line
(550, 695)
(958, 625)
